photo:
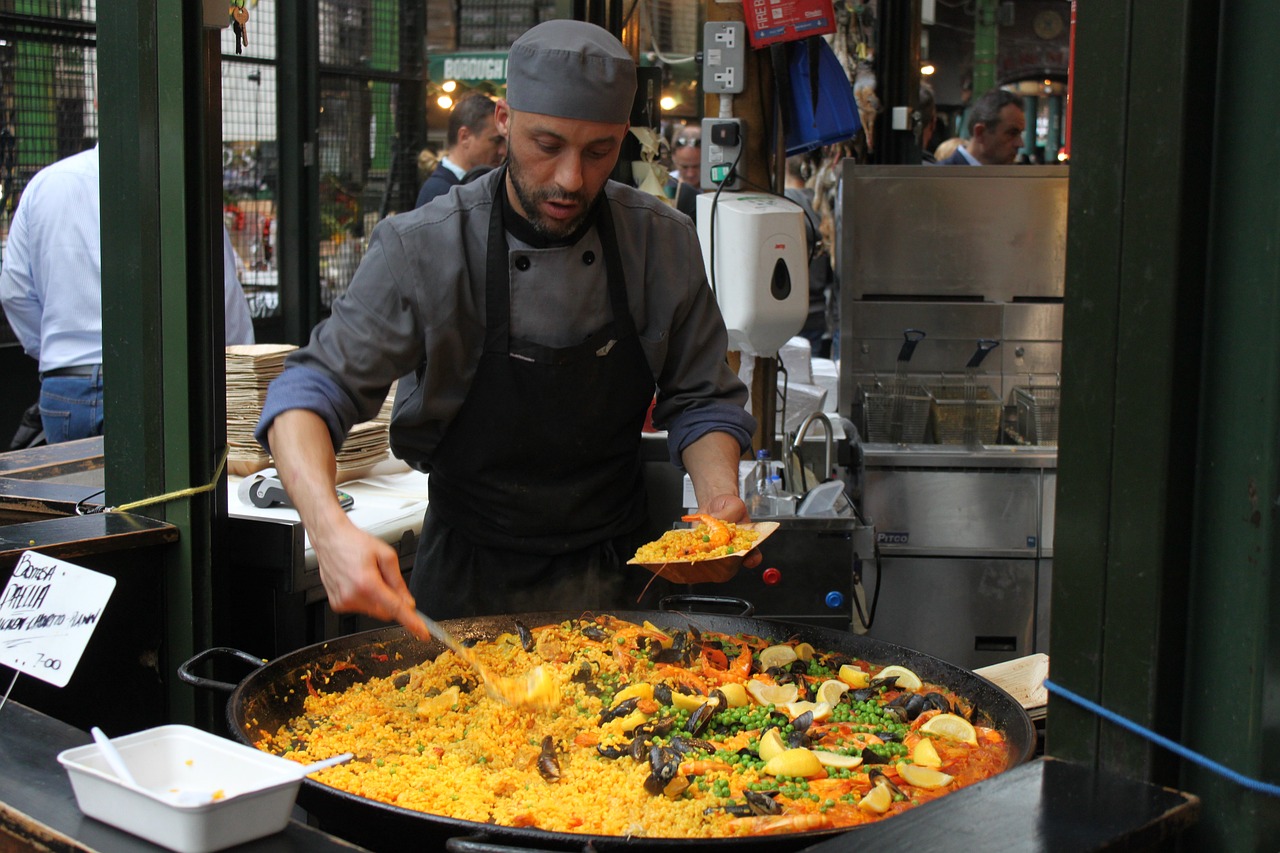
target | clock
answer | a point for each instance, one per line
(1047, 24)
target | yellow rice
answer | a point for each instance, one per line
(690, 544)
(428, 738)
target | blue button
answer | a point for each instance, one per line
(835, 599)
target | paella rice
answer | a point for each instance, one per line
(710, 539)
(655, 734)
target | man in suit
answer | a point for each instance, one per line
(474, 142)
(996, 125)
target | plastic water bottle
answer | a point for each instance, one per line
(781, 502)
(757, 485)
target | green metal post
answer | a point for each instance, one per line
(161, 352)
(1030, 110)
(1131, 349)
(1233, 628)
(298, 111)
(985, 49)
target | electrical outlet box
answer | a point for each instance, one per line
(722, 143)
(724, 57)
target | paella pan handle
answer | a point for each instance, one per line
(481, 844)
(673, 602)
(189, 677)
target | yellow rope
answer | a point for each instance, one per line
(181, 493)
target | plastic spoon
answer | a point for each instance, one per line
(197, 797)
(112, 755)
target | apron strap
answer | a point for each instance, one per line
(497, 291)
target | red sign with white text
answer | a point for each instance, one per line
(773, 21)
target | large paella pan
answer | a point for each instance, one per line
(269, 709)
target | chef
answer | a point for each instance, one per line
(532, 313)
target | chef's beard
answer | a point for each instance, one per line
(531, 200)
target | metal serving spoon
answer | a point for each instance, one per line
(535, 690)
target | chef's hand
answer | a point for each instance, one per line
(361, 573)
(732, 508)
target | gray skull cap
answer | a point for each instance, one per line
(571, 69)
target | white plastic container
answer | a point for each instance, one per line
(256, 791)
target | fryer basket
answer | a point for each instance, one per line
(1037, 412)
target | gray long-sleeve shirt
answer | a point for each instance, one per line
(416, 303)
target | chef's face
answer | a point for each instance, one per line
(557, 166)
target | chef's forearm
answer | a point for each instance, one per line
(308, 468)
(712, 463)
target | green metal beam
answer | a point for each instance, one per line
(1233, 631)
(298, 111)
(985, 45)
(162, 333)
(1135, 271)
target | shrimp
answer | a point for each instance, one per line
(718, 534)
(789, 823)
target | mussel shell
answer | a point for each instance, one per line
(761, 803)
(526, 636)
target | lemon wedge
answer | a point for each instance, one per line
(953, 727)
(821, 710)
(794, 762)
(686, 701)
(853, 676)
(434, 706)
(777, 656)
(771, 745)
(907, 680)
(926, 754)
(804, 651)
(831, 691)
(639, 690)
(835, 759)
(771, 694)
(735, 693)
(923, 777)
(877, 800)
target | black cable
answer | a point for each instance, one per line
(870, 617)
(80, 510)
(715, 201)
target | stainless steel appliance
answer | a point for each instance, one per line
(947, 258)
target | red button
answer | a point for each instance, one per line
(771, 576)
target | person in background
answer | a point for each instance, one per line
(947, 147)
(817, 327)
(686, 174)
(996, 124)
(534, 312)
(51, 289)
(928, 109)
(473, 141)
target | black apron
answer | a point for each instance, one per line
(536, 491)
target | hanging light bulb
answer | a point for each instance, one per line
(449, 86)
(444, 102)
(927, 69)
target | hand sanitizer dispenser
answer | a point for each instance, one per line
(757, 262)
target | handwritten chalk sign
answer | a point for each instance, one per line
(48, 611)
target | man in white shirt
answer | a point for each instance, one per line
(51, 289)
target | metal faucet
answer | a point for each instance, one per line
(799, 439)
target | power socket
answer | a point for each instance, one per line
(724, 57)
(722, 142)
